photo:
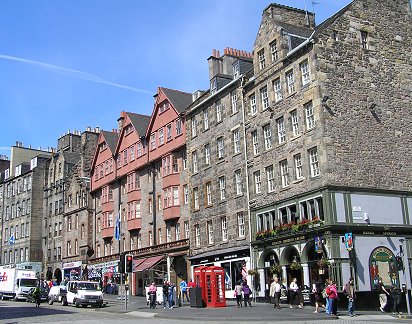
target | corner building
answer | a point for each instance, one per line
(328, 137)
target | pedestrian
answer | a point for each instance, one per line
(238, 294)
(396, 298)
(171, 294)
(152, 295)
(165, 289)
(246, 294)
(183, 290)
(36, 296)
(294, 294)
(383, 295)
(275, 290)
(332, 293)
(317, 291)
(350, 293)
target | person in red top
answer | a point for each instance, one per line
(191, 284)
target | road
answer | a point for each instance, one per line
(21, 312)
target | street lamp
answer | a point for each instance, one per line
(402, 248)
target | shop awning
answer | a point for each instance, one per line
(149, 263)
(137, 263)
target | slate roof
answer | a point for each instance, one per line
(140, 122)
(111, 140)
(180, 100)
(332, 18)
(295, 30)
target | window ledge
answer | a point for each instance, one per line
(315, 177)
(284, 188)
(236, 154)
(239, 195)
(296, 137)
(298, 180)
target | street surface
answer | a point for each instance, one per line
(115, 312)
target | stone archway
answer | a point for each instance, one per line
(58, 275)
(290, 254)
(311, 257)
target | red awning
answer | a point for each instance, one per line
(149, 263)
(137, 262)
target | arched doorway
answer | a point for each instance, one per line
(49, 274)
(318, 271)
(291, 255)
(58, 275)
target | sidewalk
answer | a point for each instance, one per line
(137, 306)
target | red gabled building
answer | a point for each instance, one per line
(147, 190)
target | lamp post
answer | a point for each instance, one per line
(402, 249)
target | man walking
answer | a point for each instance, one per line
(351, 294)
(383, 295)
(275, 290)
(165, 289)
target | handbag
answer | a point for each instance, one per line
(324, 294)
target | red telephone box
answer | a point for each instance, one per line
(215, 287)
(199, 274)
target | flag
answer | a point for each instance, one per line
(12, 239)
(227, 278)
(117, 228)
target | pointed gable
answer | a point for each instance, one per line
(139, 122)
(180, 100)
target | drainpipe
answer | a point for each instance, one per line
(252, 261)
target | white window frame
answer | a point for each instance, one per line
(209, 193)
(261, 59)
(207, 154)
(241, 224)
(194, 127)
(196, 205)
(310, 116)
(258, 182)
(281, 130)
(295, 122)
(219, 111)
(270, 176)
(253, 106)
(255, 143)
(222, 188)
(314, 162)
(185, 194)
(284, 173)
(297, 160)
(197, 235)
(304, 70)
(195, 163)
(225, 234)
(264, 97)
(233, 101)
(274, 50)
(290, 81)
(186, 229)
(267, 135)
(220, 148)
(210, 232)
(238, 182)
(277, 88)
(236, 141)
(206, 119)
(161, 137)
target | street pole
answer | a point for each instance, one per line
(405, 264)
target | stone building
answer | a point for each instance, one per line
(138, 185)
(67, 205)
(21, 207)
(219, 218)
(328, 144)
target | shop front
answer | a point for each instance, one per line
(72, 270)
(234, 261)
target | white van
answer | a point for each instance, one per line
(84, 293)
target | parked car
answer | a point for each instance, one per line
(58, 294)
(43, 295)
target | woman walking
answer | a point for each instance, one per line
(317, 291)
(294, 293)
(238, 292)
(246, 294)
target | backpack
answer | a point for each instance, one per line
(246, 290)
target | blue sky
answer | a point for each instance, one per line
(73, 64)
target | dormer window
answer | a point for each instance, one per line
(236, 70)
(163, 107)
(213, 86)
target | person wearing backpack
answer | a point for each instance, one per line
(246, 294)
